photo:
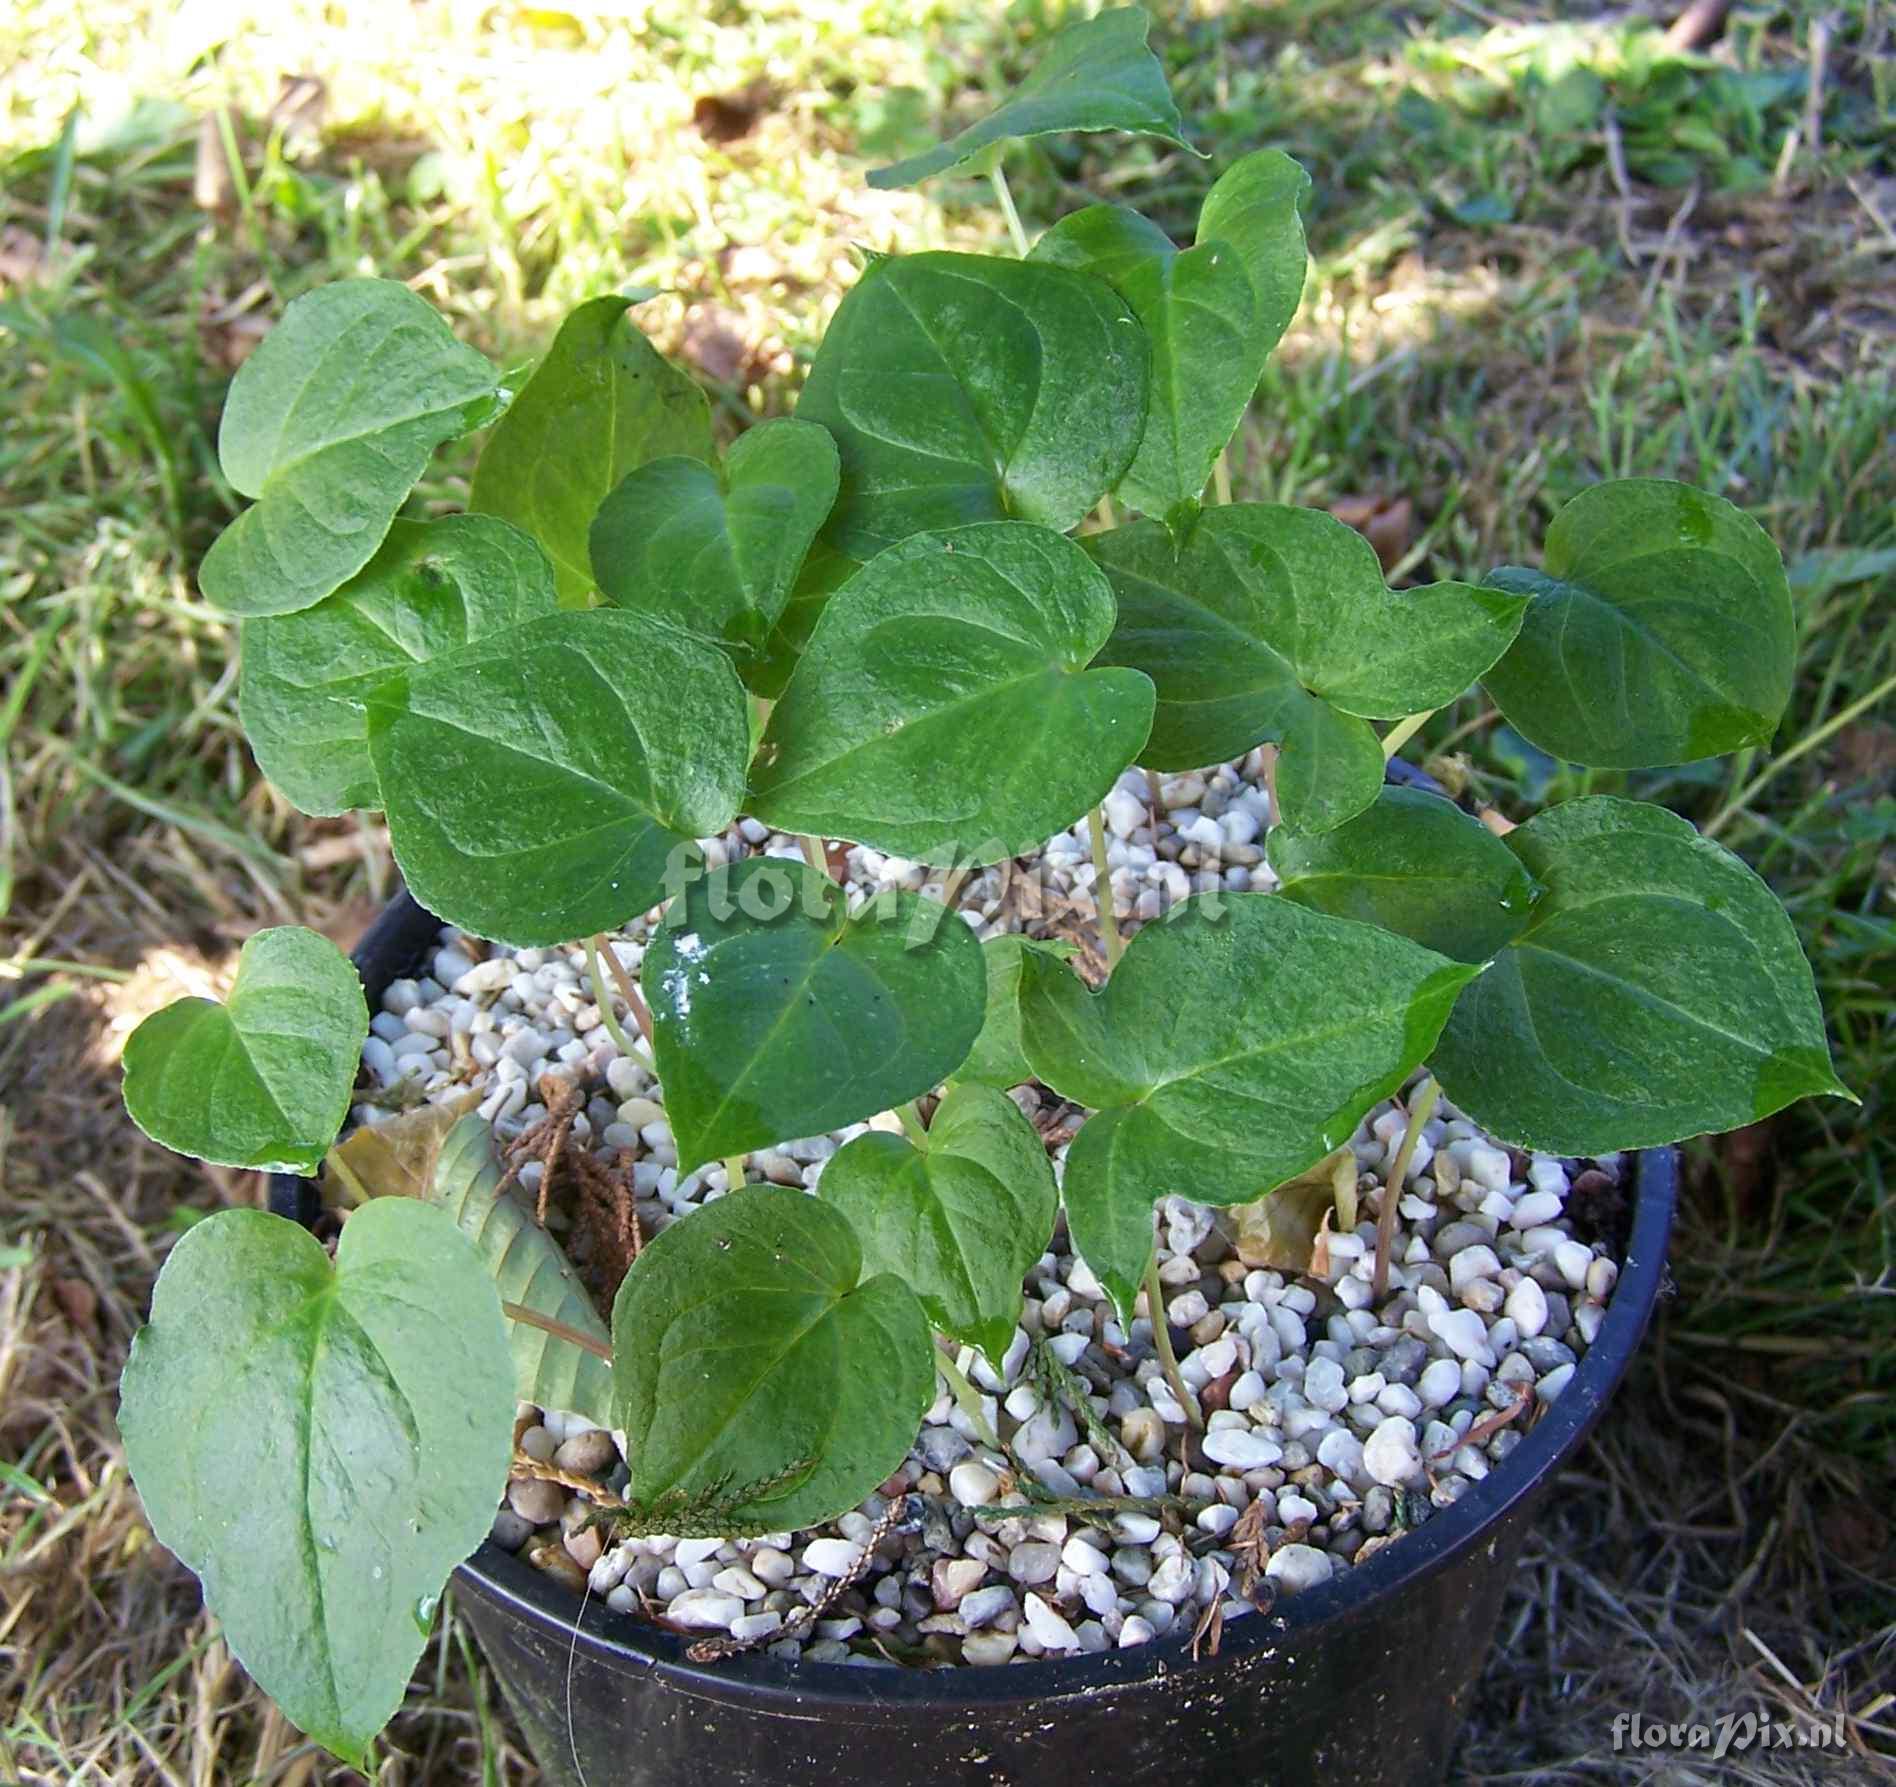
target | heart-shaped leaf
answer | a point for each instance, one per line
(718, 554)
(961, 1219)
(1659, 630)
(998, 1058)
(328, 425)
(433, 586)
(762, 1383)
(777, 1013)
(263, 1079)
(945, 710)
(1658, 992)
(541, 783)
(1213, 313)
(1417, 865)
(527, 1268)
(322, 1444)
(964, 388)
(1096, 74)
(1235, 1046)
(602, 403)
(1271, 623)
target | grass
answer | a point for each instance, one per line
(1544, 253)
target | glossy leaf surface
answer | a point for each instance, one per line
(961, 1219)
(1236, 1045)
(328, 425)
(763, 1383)
(946, 708)
(433, 586)
(322, 1443)
(543, 783)
(1659, 992)
(777, 1013)
(263, 1079)
(603, 402)
(1659, 630)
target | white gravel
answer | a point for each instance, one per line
(1344, 1422)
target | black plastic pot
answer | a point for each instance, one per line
(1364, 1680)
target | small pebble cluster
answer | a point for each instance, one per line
(1334, 1421)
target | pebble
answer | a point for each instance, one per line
(1053, 1632)
(832, 1557)
(1391, 1455)
(1295, 1568)
(1242, 1448)
(973, 1485)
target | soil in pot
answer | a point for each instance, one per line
(1335, 1422)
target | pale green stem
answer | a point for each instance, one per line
(1421, 1108)
(997, 176)
(1402, 731)
(634, 1003)
(1162, 1339)
(1103, 892)
(734, 1172)
(965, 1393)
(603, 999)
(1107, 516)
(1221, 478)
(1809, 742)
(912, 1125)
(812, 849)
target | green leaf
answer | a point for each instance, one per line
(539, 781)
(825, 571)
(262, 1080)
(1417, 865)
(945, 710)
(718, 553)
(322, 1444)
(528, 1268)
(998, 1058)
(1270, 623)
(961, 1220)
(1256, 208)
(1658, 993)
(601, 404)
(1213, 313)
(1659, 630)
(1236, 1045)
(778, 1013)
(433, 586)
(1096, 74)
(963, 388)
(758, 1377)
(328, 425)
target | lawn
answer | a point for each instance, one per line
(1546, 249)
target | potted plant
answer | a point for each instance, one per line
(879, 624)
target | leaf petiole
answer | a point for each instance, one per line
(1421, 1108)
(997, 177)
(603, 998)
(964, 1392)
(1103, 892)
(1402, 731)
(1162, 1340)
(912, 1125)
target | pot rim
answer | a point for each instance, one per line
(631, 1645)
